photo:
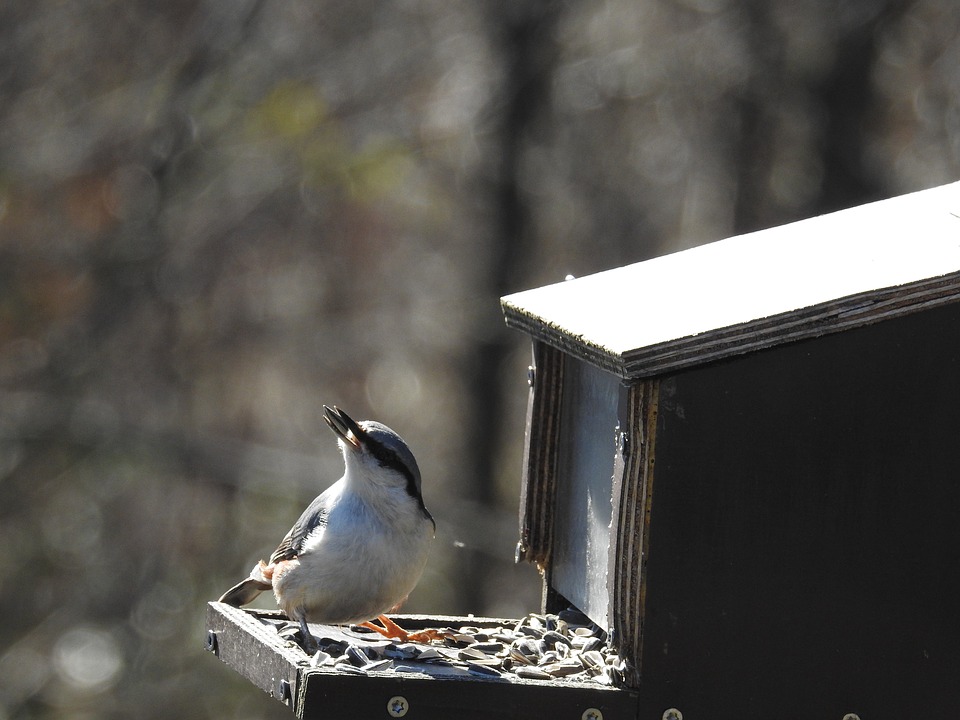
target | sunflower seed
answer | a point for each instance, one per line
(529, 646)
(402, 652)
(549, 657)
(517, 655)
(320, 658)
(532, 673)
(552, 638)
(448, 653)
(409, 668)
(592, 658)
(356, 656)
(592, 644)
(377, 648)
(376, 665)
(482, 670)
(334, 647)
(562, 669)
(471, 654)
(489, 647)
(349, 669)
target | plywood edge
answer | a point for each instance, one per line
(240, 640)
(539, 328)
(825, 274)
(842, 314)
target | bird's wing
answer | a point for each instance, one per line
(313, 517)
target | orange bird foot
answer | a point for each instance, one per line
(391, 630)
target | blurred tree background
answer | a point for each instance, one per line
(215, 216)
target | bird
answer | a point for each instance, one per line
(360, 547)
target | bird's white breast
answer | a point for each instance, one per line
(361, 563)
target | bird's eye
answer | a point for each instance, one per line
(387, 458)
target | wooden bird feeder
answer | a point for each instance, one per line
(743, 463)
(743, 460)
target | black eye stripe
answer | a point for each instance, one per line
(389, 459)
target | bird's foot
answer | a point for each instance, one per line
(391, 630)
(310, 645)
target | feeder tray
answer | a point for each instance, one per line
(251, 642)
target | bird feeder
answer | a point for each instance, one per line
(743, 460)
(742, 464)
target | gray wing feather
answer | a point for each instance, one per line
(313, 517)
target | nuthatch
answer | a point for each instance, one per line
(360, 547)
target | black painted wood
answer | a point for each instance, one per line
(284, 671)
(805, 530)
(329, 695)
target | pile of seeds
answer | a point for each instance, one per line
(538, 647)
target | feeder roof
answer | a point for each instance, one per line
(753, 291)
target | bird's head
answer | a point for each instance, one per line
(375, 452)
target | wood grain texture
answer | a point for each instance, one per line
(633, 498)
(540, 456)
(253, 649)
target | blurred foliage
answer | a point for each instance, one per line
(216, 216)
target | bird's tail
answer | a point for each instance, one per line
(246, 591)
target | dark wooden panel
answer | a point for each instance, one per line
(632, 496)
(805, 530)
(241, 641)
(329, 695)
(537, 486)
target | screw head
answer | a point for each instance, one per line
(851, 716)
(591, 714)
(397, 706)
(283, 691)
(672, 714)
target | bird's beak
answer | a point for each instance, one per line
(344, 426)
